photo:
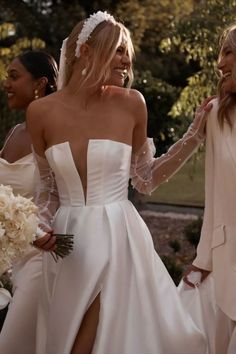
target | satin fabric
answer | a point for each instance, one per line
(18, 334)
(200, 302)
(217, 245)
(141, 312)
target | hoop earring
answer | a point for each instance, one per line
(36, 94)
(84, 72)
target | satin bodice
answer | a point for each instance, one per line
(113, 257)
(20, 175)
(108, 171)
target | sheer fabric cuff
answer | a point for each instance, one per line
(46, 194)
(141, 167)
(148, 172)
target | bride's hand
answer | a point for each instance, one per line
(46, 242)
(192, 268)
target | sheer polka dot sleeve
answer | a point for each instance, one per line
(148, 172)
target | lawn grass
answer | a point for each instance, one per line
(184, 188)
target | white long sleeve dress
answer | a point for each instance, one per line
(113, 255)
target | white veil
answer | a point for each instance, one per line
(62, 65)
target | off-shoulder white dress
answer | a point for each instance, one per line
(141, 312)
(18, 332)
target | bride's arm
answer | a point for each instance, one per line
(147, 172)
(46, 195)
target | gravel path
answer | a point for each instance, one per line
(167, 230)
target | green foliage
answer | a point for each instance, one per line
(160, 75)
(196, 36)
(133, 16)
(159, 97)
(175, 269)
(192, 231)
(7, 53)
(59, 28)
(175, 245)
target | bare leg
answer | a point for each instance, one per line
(85, 338)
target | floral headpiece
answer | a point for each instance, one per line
(89, 25)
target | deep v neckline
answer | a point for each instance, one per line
(90, 141)
(68, 148)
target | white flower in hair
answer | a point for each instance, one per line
(89, 25)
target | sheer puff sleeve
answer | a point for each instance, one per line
(46, 195)
(148, 172)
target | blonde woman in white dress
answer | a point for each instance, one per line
(216, 252)
(30, 76)
(112, 294)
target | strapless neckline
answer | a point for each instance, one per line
(65, 146)
(89, 141)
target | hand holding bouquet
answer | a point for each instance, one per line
(18, 225)
(19, 229)
(60, 245)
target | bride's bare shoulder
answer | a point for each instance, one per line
(127, 95)
(42, 107)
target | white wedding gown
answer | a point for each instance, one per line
(18, 334)
(141, 312)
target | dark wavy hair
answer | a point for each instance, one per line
(40, 63)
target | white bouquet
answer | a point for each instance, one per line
(5, 297)
(18, 226)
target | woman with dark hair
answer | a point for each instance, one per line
(30, 76)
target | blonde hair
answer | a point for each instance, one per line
(104, 40)
(227, 100)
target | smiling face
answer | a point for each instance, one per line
(120, 64)
(227, 67)
(19, 85)
(106, 56)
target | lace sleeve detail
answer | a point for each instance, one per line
(148, 172)
(141, 167)
(46, 195)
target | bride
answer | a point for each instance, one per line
(112, 294)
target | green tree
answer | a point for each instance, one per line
(148, 21)
(159, 97)
(196, 36)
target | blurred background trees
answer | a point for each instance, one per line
(175, 42)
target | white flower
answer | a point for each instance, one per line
(5, 298)
(2, 230)
(5, 207)
(6, 190)
(18, 225)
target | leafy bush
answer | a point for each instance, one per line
(175, 245)
(192, 231)
(173, 268)
(159, 97)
